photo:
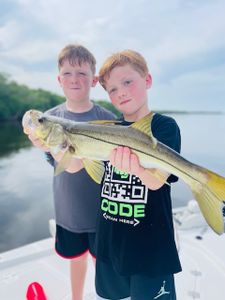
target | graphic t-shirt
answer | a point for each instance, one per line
(135, 227)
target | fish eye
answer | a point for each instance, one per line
(41, 120)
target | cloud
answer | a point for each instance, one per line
(197, 90)
(180, 39)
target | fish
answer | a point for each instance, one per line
(93, 142)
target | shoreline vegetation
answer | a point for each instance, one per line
(16, 99)
(194, 112)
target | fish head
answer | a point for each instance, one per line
(33, 120)
(52, 132)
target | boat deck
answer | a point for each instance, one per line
(201, 251)
(38, 262)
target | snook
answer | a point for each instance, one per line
(93, 142)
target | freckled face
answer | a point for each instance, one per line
(127, 90)
(76, 81)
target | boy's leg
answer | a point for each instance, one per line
(144, 287)
(109, 284)
(78, 269)
(74, 246)
(100, 298)
(91, 248)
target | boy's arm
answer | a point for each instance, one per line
(167, 132)
(123, 159)
(75, 164)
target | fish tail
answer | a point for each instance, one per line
(217, 184)
(211, 200)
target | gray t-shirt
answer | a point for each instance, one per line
(77, 196)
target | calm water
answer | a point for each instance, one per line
(26, 202)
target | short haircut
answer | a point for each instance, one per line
(76, 54)
(119, 59)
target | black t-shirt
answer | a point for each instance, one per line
(135, 227)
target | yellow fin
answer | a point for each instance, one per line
(211, 200)
(144, 125)
(160, 175)
(105, 122)
(217, 184)
(212, 210)
(95, 169)
(64, 163)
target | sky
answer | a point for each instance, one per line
(182, 41)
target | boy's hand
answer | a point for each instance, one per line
(123, 159)
(35, 140)
(75, 163)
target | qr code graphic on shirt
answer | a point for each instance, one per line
(123, 187)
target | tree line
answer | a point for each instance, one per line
(16, 99)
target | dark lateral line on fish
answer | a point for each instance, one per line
(98, 139)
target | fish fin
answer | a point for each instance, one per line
(217, 184)
(211, 200)
(95, 169)
(105, 122)
(64, 163)
(160, 175)
(144, 125)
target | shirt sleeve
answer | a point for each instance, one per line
(50, 158)
(166, 130)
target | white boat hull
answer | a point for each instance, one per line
(201, 251)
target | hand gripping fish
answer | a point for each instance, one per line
(93, 142)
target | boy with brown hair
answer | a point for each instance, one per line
(76, 195)
(136, 253)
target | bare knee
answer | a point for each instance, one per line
(79, 259)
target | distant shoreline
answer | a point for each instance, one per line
(189, 112)
(169, 112)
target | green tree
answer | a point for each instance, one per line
(109, 106)
(16, 99)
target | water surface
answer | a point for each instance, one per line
(26, 202)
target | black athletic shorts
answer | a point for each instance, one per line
(71, 245)
(110, 285)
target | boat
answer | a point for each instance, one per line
(202, 255)
(201, 251)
